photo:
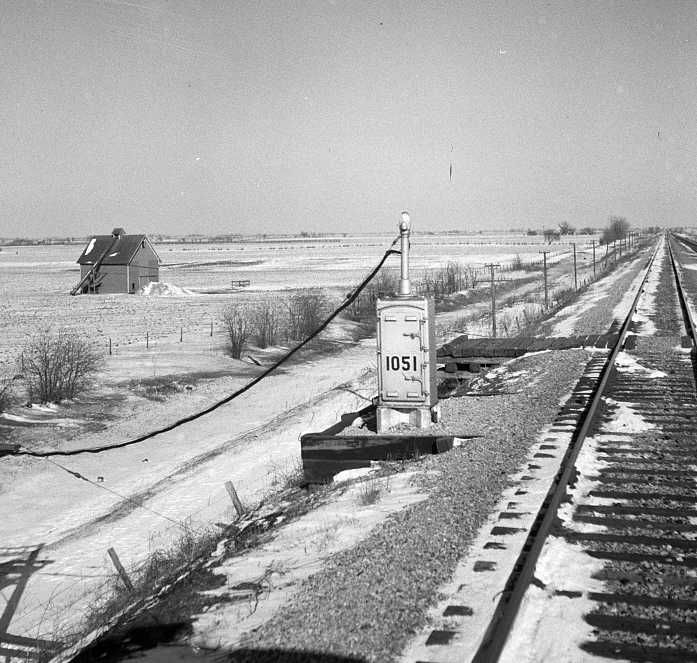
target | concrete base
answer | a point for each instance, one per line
(419, 417)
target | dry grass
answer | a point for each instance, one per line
(161, 569)
(157, 389)
(287, 476)
(370, 490)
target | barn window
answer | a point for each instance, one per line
(142, 244)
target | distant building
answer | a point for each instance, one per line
(117, 263)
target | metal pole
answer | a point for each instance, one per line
(593, 259)
(404, 285)
(575, 273)
(493, 266)
(544, 271)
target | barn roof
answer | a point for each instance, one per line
(121, 253)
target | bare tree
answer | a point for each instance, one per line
(550, 235)
(58, 365)
(617, 229)
(267, 323)
(236, 319)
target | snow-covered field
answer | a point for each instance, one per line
(134, 494)
(35, 281)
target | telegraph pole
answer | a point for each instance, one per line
(593, 259)
(544, 271)
(575, 273)
(492, 266)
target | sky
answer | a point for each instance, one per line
(205, 116)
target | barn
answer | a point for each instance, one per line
(117, 263)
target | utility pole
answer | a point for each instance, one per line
(492, 266)
(575, 273)
(544, 271)
(593, 259)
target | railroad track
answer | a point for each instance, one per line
(608, 567)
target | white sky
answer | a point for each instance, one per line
(205, 116)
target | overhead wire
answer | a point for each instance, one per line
(136, 502)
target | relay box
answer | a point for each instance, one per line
(406, 353)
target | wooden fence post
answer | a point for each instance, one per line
(120, 570)
(235, 499)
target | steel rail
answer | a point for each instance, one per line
(686, 310)
(501, 624)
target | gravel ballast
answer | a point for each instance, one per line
(370, 599)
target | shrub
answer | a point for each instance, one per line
(7, 390)
(385, 283)
(267, 324)
(306, 311)
(236, 319)
(57, 366)
(447, 280)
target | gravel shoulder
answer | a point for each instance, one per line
(369, 599)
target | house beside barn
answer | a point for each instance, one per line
(117, 263)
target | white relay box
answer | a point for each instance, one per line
(406, 353)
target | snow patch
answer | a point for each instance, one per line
(161, 289)
(32, 421)
(90, 246)
(625, 419)
(543, 615)
(44, 407)
(626, 363)
(350, 475)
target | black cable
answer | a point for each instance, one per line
(347, 302)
